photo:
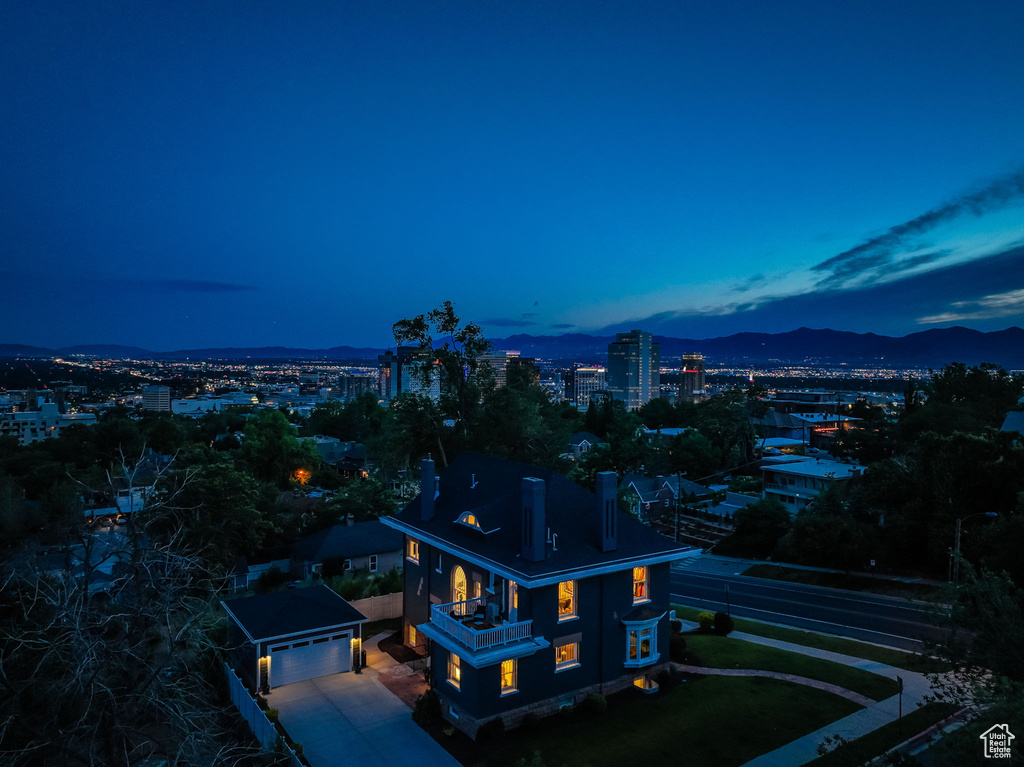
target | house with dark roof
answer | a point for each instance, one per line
(289, 636)
(368, 546)
(655, 496)
(583, 441)
(530, 591)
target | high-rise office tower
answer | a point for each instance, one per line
(156, 398)
(582, 383)
(634, 372)
(691, 378)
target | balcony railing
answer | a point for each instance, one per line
(461, 621)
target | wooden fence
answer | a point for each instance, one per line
(262, 728)
(380, 608)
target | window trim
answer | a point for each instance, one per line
(637, 629)
(371, 563)
(574, 612)
(565, 665)
(645, 585)
(503, 689)
(455, 665)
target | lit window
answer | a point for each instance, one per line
(412, 551)
(373, 563)
(642, 645)
(640, 585)
(412, 636)
(566, 600)
(470, 520)
(513, 595)
(508, 677)
(454, 670)
(567, 655)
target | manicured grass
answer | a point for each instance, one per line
(849, 582)
(719, 721)
(727, 652)
(884, 738)
(851, 647)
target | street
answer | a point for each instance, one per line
(868, 617)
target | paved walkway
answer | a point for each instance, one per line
(351, 719)
(803, 750)
(835, 689)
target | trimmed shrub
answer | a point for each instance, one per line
(596, 703)
(676, 626)
(677, 648)
(427, 709)
(723, 624)
(270, 580)
(271, 714)
(705, 620)
(491, 731)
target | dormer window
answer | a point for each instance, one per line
(469, 519)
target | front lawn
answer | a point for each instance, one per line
(851, 647)
(710, 720)
(727, 652)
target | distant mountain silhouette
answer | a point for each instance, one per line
(928, 348)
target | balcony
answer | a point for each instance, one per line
(473, 625)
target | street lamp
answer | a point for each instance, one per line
(956, 542)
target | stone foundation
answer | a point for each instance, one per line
(543, 708)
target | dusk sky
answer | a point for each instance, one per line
(191, 174)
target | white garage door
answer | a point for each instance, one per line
(310, 658)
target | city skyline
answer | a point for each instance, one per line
(205, 176)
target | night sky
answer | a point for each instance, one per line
(176, 175)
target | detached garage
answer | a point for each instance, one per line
(289, 636)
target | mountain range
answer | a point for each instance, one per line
(928, 348)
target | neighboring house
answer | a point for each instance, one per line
(292, 635)
(797, 483)
(534, 592)
(583, 441)
(656, 495)
(366, 546)
(243, 575)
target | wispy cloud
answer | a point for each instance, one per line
(503, 322)
(563, 325)
(985, 308)
(192, 286)
(754, 281)
(867, 260)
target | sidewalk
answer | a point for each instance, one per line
(804, 749)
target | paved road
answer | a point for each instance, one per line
(868, 617)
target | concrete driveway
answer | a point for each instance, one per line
(347, 719)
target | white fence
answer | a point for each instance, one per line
(380, 608)
(262, 728)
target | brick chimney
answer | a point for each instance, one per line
(533, 520)
(607, 511)
(428, 487)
